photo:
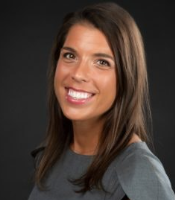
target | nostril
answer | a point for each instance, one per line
(79, 78)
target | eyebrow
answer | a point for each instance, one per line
(69, 49)
(104, 55)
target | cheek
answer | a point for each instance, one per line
(108, 85)
(58, 70)
(111, 90)
(57, 77)
(61, 77)
(62, 71)
(59, 73)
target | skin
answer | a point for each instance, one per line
(86, 64)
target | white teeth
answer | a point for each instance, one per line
(78, 95)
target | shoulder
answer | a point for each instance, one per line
(37, 155)
(142, 175)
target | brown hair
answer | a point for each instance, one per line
(128, 114)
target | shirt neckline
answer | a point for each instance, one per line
(132, 145)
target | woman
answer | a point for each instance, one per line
(98, 101)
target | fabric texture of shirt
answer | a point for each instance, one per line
(136, 172)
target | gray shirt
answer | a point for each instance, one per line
(136, 172)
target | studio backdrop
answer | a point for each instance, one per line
(28, 29)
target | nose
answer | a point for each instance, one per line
(81, 72)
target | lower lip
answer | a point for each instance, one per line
(77, 101)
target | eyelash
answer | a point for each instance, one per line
(69, 55)
(103, 61)
(100, 62)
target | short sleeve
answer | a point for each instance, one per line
(142, 177)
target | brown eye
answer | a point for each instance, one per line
(103, 63)
(68, 56)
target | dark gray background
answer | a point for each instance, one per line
(27, 32)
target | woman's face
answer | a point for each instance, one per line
(85, 77)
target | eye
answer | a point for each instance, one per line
(103, 63)
(69, 55)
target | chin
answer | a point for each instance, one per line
(76, 118)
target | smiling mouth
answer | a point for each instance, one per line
(78, 95)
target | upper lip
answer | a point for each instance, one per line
(79, 90)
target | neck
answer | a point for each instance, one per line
(86, 136)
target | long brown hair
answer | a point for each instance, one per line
(128, 114)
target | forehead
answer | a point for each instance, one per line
(87, 37)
